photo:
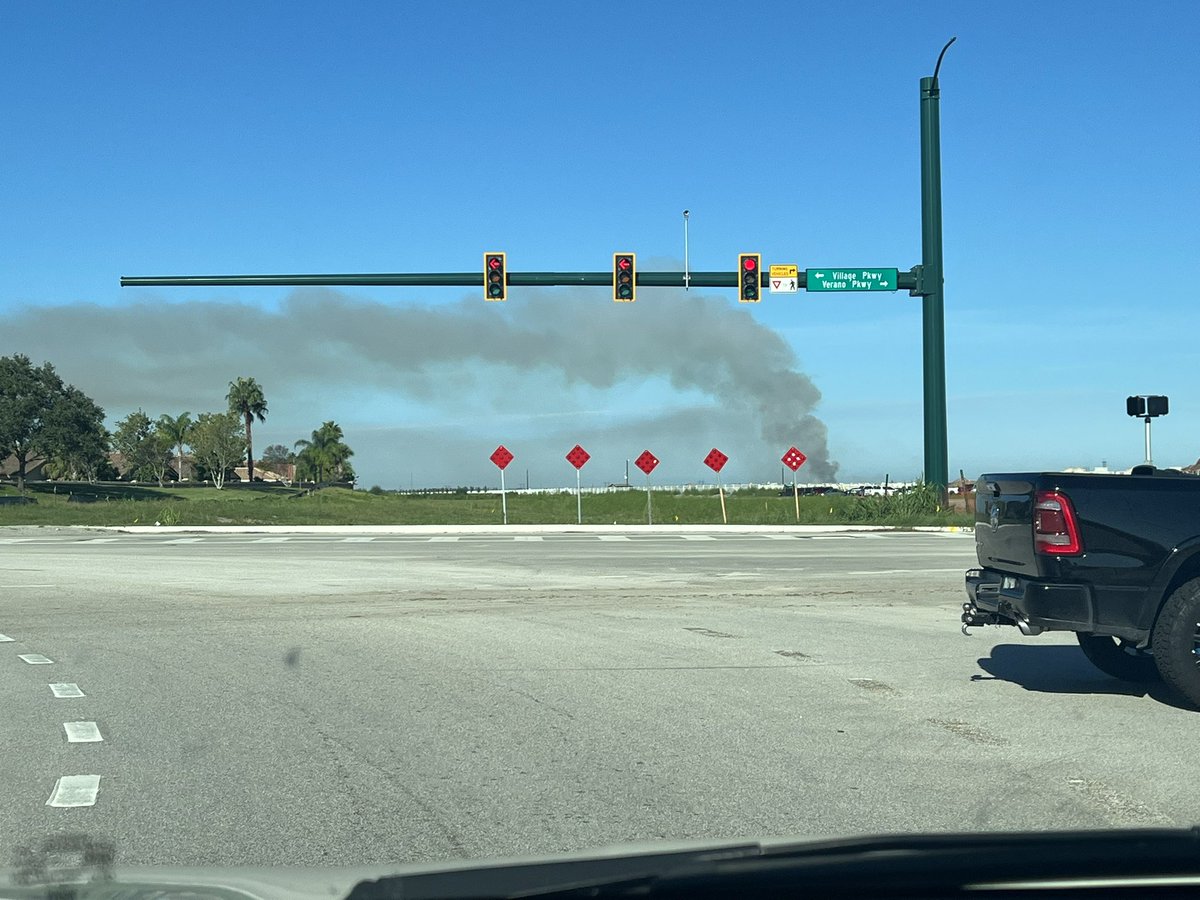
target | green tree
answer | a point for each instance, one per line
(325, 455)
(246, 400)
(74, 437)
(176, 429)
(146, 450)
(218, 444)
(39, 414)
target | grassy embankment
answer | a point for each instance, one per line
(142, 505)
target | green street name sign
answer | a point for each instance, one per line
(851, 279)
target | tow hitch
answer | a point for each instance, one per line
(974, 617)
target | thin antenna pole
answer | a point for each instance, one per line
(687, 277)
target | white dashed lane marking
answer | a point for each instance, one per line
(100, 541)
(357, 540)
(528, 537)
(614, 537)
(697, 537)
(65, 691)
(444, 539)
(184, 541)
(35, 659)
(270, 540)
(82, 732)
(75, 790)
(4, 639)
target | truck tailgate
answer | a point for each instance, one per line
(1004, 525)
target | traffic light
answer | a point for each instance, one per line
(1147, 405)
(495, 277)
(749, 277)
(624, 277)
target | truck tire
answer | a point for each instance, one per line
(1176, 641)
(1117, 658)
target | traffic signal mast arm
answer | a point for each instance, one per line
(908, 281)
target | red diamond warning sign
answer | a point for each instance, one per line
(578, 456)
(794, 459)
(646, 462)
(501, 457)
(716, 460)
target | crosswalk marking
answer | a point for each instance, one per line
(75, 790)
(82, 732)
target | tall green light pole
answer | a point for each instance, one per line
(937, 465)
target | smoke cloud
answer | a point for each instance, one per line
(462, 359)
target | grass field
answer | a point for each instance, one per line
(142, 505)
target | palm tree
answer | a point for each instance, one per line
(246, 400)
(177, 429)
(326, 452)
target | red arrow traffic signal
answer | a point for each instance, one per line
(624, 277)
(495, 278)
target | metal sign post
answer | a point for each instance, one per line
(577, 457)
(716, 461)
(646, 462)
(794, 459)
(501, 456)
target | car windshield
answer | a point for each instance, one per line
(474, 431)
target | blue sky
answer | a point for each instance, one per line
(152, 138)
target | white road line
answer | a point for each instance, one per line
(697, 537)
(614, 537)
(270, 540)
(779, 537)
(82, 732)
(528, 537)
(903, 572)
(16, 540)
(35, 659)
(357, 540)
(444, 539)
(99, 541)
(832, 537)
(65, 690)
(183, 541)
(4, 639)
(75, 790)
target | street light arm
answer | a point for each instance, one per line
(940, 55)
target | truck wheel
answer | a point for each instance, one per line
(1176, 641)
(1117, 658)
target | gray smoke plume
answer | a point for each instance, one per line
(153, 354)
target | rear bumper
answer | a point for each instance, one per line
(1034, 606)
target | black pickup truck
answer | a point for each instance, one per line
(1113, 558)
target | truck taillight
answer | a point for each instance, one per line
(1055, 528)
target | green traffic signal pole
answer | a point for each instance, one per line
(925, 281)
(906, 281)
(933, 316)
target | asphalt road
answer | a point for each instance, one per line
(369, 698)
